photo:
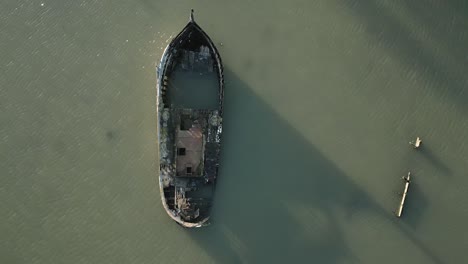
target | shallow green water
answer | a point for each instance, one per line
(322, 98)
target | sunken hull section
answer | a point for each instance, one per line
(189, 138)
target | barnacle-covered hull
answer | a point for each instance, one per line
(189, 135)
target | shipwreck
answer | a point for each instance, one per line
(190, 92)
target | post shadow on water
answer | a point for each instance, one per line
(428, 155)
(416, 205)
(267, 167)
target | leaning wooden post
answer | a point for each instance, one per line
(417, 143)
(402, 203)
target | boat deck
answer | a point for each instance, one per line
(189, 151)
(189, 147)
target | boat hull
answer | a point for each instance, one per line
(189, 140)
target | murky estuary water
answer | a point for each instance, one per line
(321, 100)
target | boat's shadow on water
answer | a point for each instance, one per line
(278, 198)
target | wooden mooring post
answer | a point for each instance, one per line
(416, 144)
(402, 203)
